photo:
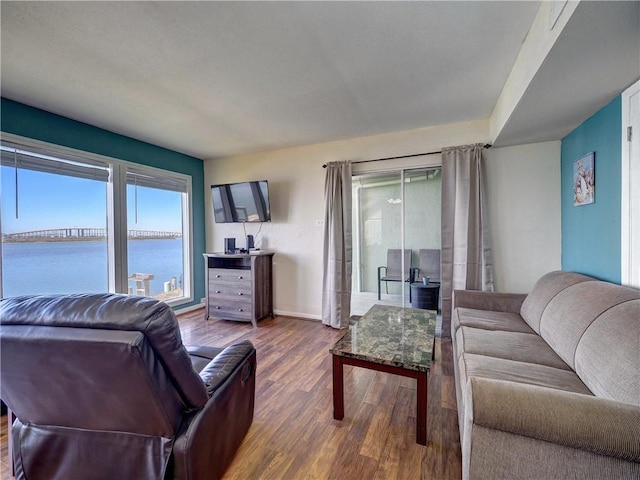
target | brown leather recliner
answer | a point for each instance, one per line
(103, 388)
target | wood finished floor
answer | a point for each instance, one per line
(294, 435)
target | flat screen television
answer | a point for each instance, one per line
(241, 202)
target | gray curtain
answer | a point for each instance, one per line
(466, 253)
(336, 282)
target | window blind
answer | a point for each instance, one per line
(33, 158)
(164, 181)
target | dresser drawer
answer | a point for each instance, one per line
(232, 290)
(222, 308)
(229, 275)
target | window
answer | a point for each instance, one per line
(53, 224)
(75, 222)
(156, 229)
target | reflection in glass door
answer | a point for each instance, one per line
(392, 210)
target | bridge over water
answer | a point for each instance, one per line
(83, 233)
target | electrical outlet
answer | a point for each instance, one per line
(319, 223)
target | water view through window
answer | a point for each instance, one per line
(154, 243)
(54, 225)
(44, 250)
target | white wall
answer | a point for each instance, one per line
(523, 195)
(296, 183)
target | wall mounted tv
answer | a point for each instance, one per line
(241, 202)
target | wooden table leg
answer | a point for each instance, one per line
(338, 388)
(421, 414)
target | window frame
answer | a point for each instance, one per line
(116, 190)
(630, 218)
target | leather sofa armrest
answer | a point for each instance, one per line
(208, 439)
(494, 301)
(594, 424)
(218, 370)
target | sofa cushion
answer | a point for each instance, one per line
(544, 290)
(471, 365)
(87, 378)
(520, 372)
(608, 354)
(109, 311)
(489, 320)
(598, 425)
(521, 347)
(571, 311)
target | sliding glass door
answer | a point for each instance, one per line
(395, 216)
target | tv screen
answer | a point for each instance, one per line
(241, 202)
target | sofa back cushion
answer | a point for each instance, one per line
(570, 312)
(110, 311)
(87, 379)
(543, 292)
(608, 354)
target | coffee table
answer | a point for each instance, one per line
(392, 340)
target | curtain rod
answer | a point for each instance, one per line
(402, 156)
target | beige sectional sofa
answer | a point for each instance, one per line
(548, 384)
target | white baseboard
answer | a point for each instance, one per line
(297, 315)
(188, 309)
(284, 313)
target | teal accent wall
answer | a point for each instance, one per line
(591, 233)
(26, 121)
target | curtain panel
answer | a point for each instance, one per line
(337, 253)
(466, 252)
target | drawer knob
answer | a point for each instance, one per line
(240, 277)
(240, 310)
(217, 307)
(240, 293)
(217, 276)
(217, 291)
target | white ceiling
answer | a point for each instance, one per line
(213, 79)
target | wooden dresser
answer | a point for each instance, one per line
(239, 286)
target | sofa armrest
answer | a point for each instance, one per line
(208, 439)
(218, 370)
(594, 424)
(497, 302)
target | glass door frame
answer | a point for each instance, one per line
(430, 162)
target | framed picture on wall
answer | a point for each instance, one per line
(584, 180)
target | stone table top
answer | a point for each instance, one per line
(396, 336)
